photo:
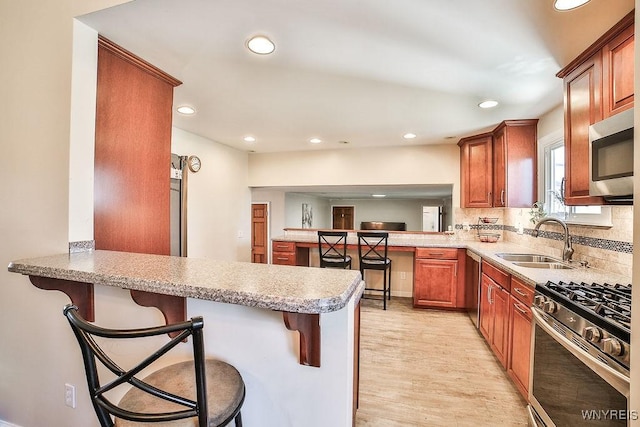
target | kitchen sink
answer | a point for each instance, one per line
(528, 258)
(552, 265)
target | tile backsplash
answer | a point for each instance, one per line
(608, 249)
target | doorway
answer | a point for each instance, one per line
(259, 233)
(342, 217)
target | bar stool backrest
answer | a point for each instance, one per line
(373, 246)
(332, 246)
(91, 351)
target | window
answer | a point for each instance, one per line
(554, 193)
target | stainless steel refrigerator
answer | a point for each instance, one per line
(432, 218)
(178, 197)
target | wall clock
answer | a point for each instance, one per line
(194, 163)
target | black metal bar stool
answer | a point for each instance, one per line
(332, 247)
(373, 249)
(202, 392)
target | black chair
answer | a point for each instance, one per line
(372, 250)
(202, 392)
(332, 247)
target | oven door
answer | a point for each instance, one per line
(569, 387)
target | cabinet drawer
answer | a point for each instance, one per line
(283, 246)
(437, 253)
(284, 258)
(522, 292)
(500, 277)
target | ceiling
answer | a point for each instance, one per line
(356, 73)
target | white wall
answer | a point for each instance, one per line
(218, 204)
(432, 164)
(38, 354)
(321, 211)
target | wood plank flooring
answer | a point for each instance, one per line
(430, 368)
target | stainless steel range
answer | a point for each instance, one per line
(580, 355)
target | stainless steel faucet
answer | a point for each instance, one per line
(568, 249)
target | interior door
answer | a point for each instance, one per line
(342, 217)
(259, 235)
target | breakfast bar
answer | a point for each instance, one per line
(238, 302)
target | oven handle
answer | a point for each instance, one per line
(613, 377)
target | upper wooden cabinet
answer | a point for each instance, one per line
(498, 169)
(514, 164)
(597, 85)
(476, 171)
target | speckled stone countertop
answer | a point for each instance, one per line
(488, 251)
(276, 287)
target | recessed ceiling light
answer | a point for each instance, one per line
(568, 4)
(378, 195)
(315, 140)
(260, 45)
(187, 110)
(488, 104)
(249, 139)
(409, 135)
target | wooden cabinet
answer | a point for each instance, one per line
(518, 365)
(514, 164)
(498, 169)
(283, 253)
(494, 309)
(494, 316)
(132, 153)
(438, 281)
(597, 84)
(476, 171)
(617, 73)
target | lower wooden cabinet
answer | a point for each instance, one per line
(435, 283)
(520, 335)
(283, 253)
(494, 317)
(438, 279)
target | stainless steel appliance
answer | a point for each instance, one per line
(178, 198)
(611, 158)
(580, 355)
(472, 286)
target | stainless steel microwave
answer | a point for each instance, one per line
(611, 157)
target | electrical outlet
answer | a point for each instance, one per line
(70, 395)
(403, 275)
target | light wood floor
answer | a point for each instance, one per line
(430, 368)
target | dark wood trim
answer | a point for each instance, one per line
(135, 60)
(173, 308)
(628, 20)
(81, 293)
(308, 325)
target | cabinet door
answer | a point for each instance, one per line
(476, 172)
(617, 73)
(519, 345)
(500, 341)
(582, 94)
(435, 283)
(499, 168)
(485, 307)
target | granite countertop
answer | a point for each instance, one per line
(488, 251)
(276, 287)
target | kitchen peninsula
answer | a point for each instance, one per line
(240, 303)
